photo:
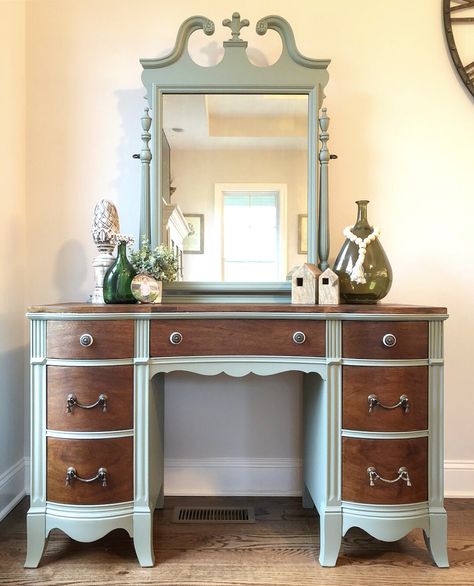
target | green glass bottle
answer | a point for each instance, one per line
(118, 278)
(367, 282)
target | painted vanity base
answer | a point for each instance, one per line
(81, 509)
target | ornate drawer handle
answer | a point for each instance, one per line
(71, 474)
(299, 338)
(86, 340)
(402, 475)
(72, 401)
(389, 340)
(374, 402)
(176, 338)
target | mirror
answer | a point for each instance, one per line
(231, 179)
(238, 172)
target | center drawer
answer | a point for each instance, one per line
(268, 337)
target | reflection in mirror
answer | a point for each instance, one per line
(235, 171)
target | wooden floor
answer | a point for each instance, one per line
(280, 549)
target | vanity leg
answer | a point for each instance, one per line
(306, 498)
(143, 538)
(36, 539)
(437, 541)
(331, 537)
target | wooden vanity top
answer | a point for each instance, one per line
(376, 309)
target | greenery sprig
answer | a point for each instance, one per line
(159, 262)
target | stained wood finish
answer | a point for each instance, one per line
(87, 383)
(280, 549)
(87, 456)
(375, 309)
(364, 340)
(234, 337)
(388, 383)
(387, 456)
(112, 339)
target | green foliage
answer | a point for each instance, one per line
(160, 262)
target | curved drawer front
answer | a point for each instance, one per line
(386, 458)
(371, 395)
(385, 340)
(74, 390)
(88, 457)
(240, 336)
(90, 339)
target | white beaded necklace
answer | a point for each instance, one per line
(358, 273)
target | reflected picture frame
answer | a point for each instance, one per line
(302, 233)
(194, 242)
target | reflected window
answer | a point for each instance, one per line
(251, 236)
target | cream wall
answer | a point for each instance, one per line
(402, 126)
(12, 253)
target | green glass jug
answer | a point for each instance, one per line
(366, 277)
(118, 278)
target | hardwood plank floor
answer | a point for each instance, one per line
(280, 549)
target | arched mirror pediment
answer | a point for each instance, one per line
(231, 164)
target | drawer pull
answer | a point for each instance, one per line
(86, 340)
(72, 401)
(71, 474)
(374, 402)
(402, 475)
(299, 338)
(389, 340)
(176, 338)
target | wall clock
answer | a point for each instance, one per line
(459, 28)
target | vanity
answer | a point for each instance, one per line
(372, 374)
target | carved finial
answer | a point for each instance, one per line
(235, 25)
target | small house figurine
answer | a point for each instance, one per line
(304, 284)
(328, 290)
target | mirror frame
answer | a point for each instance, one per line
(292, 73)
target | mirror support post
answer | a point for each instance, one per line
(324, 157)
(145, 158)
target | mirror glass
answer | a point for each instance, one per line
(236, 167)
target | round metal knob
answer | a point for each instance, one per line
(176, 338)
(86, 340)
(389, 340)
(299, 338)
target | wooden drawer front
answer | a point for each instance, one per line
(242, 336)
(87, 456)
(388, 384)
(87, 383)
(366, 340)
(387, 457)
(111, 339)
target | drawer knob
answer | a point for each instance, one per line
(71, 475)
(402, 475)
(299, 338)
(72, 401)
(176, 338)
(86, 340)
(389, 340)
(373, 402)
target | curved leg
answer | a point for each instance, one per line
(143, 538)
(437, 541)
(331, 536)
(36, 539)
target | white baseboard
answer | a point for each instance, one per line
(459, 478)
(233, 477)
(12, 487)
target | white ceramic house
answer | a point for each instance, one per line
(328, 289)
(304, 284)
